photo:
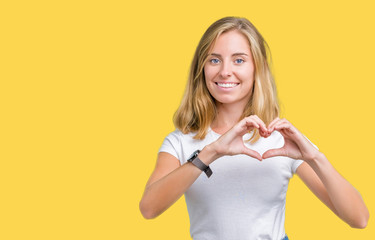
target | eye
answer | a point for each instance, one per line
(239, 60)
(214, 61)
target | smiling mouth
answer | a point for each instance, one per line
(227, 85)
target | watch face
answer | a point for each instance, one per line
(193, 155)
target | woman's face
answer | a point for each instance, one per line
(229, 70)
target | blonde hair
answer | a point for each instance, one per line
(197, 109)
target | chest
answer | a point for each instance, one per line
(243, 180)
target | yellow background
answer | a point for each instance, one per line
(89, 88)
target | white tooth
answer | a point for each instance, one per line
(227, 85)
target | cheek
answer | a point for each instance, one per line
(247, 74)
(209, 73)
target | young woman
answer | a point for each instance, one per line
(228, 128)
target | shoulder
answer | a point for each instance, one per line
(175, 134)
(178, 135)
(180, 145)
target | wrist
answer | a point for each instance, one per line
(317, 159)
(208, 154)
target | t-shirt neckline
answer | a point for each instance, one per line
(213, 132)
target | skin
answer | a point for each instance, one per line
(170, 180)
(230, 61)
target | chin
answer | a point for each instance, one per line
(226, 100)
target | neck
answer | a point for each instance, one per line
(227, 116)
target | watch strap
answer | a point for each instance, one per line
(199, 164)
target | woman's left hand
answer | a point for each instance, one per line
(296, 145)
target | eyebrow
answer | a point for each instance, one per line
(234, 54)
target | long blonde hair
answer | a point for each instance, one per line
(197, 109)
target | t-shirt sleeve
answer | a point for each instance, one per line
(297, 163)
(171, 145)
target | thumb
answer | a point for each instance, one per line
(252, 153)
(274, 152)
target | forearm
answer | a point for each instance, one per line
(160, 195)
(345, 198)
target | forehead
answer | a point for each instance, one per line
(231, 41)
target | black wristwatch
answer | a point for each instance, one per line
(199, 164)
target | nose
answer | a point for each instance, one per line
(226, 70)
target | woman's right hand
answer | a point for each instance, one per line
(231, 143)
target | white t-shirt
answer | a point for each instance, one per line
(244, 198)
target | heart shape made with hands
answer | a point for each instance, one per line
(290, 134)
(268, 150)
(295, 146)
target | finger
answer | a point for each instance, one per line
(261, 123)
(276, 123)
(251, 122)
(252, 153)
(272, 124)
(261, 126)
(274, 152)
(274, 120)
(283, 125)
(264, 134)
